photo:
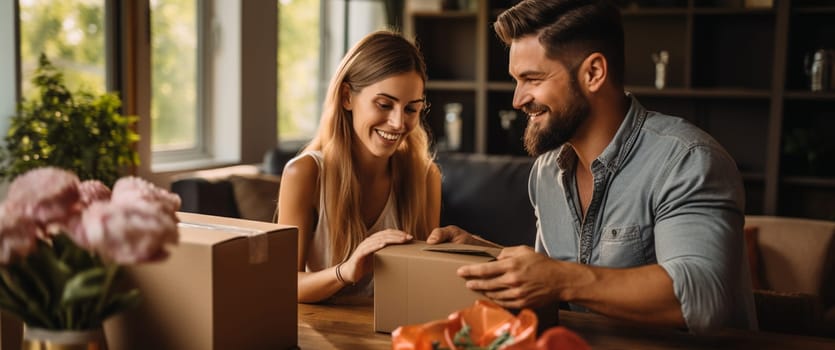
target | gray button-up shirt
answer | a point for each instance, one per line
(665, 192)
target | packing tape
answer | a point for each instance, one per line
(258, 244)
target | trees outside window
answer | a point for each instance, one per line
(71, 34)
(175, 119)
(298, 69)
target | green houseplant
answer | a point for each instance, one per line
(80, 132)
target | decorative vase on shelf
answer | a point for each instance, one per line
(48, 339)
(452, 126)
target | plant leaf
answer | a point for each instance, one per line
(120, 302)
(504, 339)
(84, 285)
(33, 311)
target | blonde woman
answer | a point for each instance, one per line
(367, 179)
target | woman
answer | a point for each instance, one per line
(367, 179)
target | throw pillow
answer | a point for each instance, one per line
(256, 195)
(752, 249)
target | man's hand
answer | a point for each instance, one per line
(520, 278)
(452, 234)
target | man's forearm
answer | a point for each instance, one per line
(642, 294)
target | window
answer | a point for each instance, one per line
(71, 34)
(298, 69)
(313, 37)
(175, 112)
(201, 71)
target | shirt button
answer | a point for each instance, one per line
(614, 233)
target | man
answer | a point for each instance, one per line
(639, 214)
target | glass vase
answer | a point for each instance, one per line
(49, 339)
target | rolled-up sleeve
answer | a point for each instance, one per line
(699, 203)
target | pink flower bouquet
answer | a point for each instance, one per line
(485, 326)
(62, 242)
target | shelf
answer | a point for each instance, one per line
(736, 72)
(501, 86)
(444, 14)
(666, 11)
(450, 85)
(733, 11)
(699, 92)
(814, 10)
(809, 95)
(815, 181)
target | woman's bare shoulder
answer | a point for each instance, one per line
(302, 169)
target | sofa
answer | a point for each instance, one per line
(484, 194)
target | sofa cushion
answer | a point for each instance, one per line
(487, 195)
(796, 255)
(788, 312)
(211, 197)
(256, 195)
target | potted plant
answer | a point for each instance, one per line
(62, 242)
(63, 239)
(80, 132)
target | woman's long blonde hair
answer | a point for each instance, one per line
(379, 55)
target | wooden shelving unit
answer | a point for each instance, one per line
(736, 72)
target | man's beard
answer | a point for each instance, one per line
(558, 128)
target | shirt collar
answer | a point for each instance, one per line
(621, 144)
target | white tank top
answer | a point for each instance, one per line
(319, 252)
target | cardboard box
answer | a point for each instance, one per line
(416, 282)
(228, 284)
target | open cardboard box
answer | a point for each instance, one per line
(228, 284)
(417, 282)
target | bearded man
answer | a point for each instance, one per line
(639, 214)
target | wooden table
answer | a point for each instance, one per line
(351, 327)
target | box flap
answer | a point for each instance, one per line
(466, 249)
(193, 228)
(453, 251)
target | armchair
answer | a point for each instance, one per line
(794, 264)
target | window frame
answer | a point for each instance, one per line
(237, 88)
(202, 146)
(232, 85)
(9, 64)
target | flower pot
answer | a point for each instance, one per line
(48, 339)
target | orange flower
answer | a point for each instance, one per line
(481, 326)
(561, 338)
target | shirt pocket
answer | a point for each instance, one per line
(621, 246)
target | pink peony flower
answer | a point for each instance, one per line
(18, 234)
(91, 191)
(128, 232)
(46, 195)
(131, 188)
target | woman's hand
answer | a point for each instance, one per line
(451, 234)
(359, 264)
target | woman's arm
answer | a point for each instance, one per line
(297, 199)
